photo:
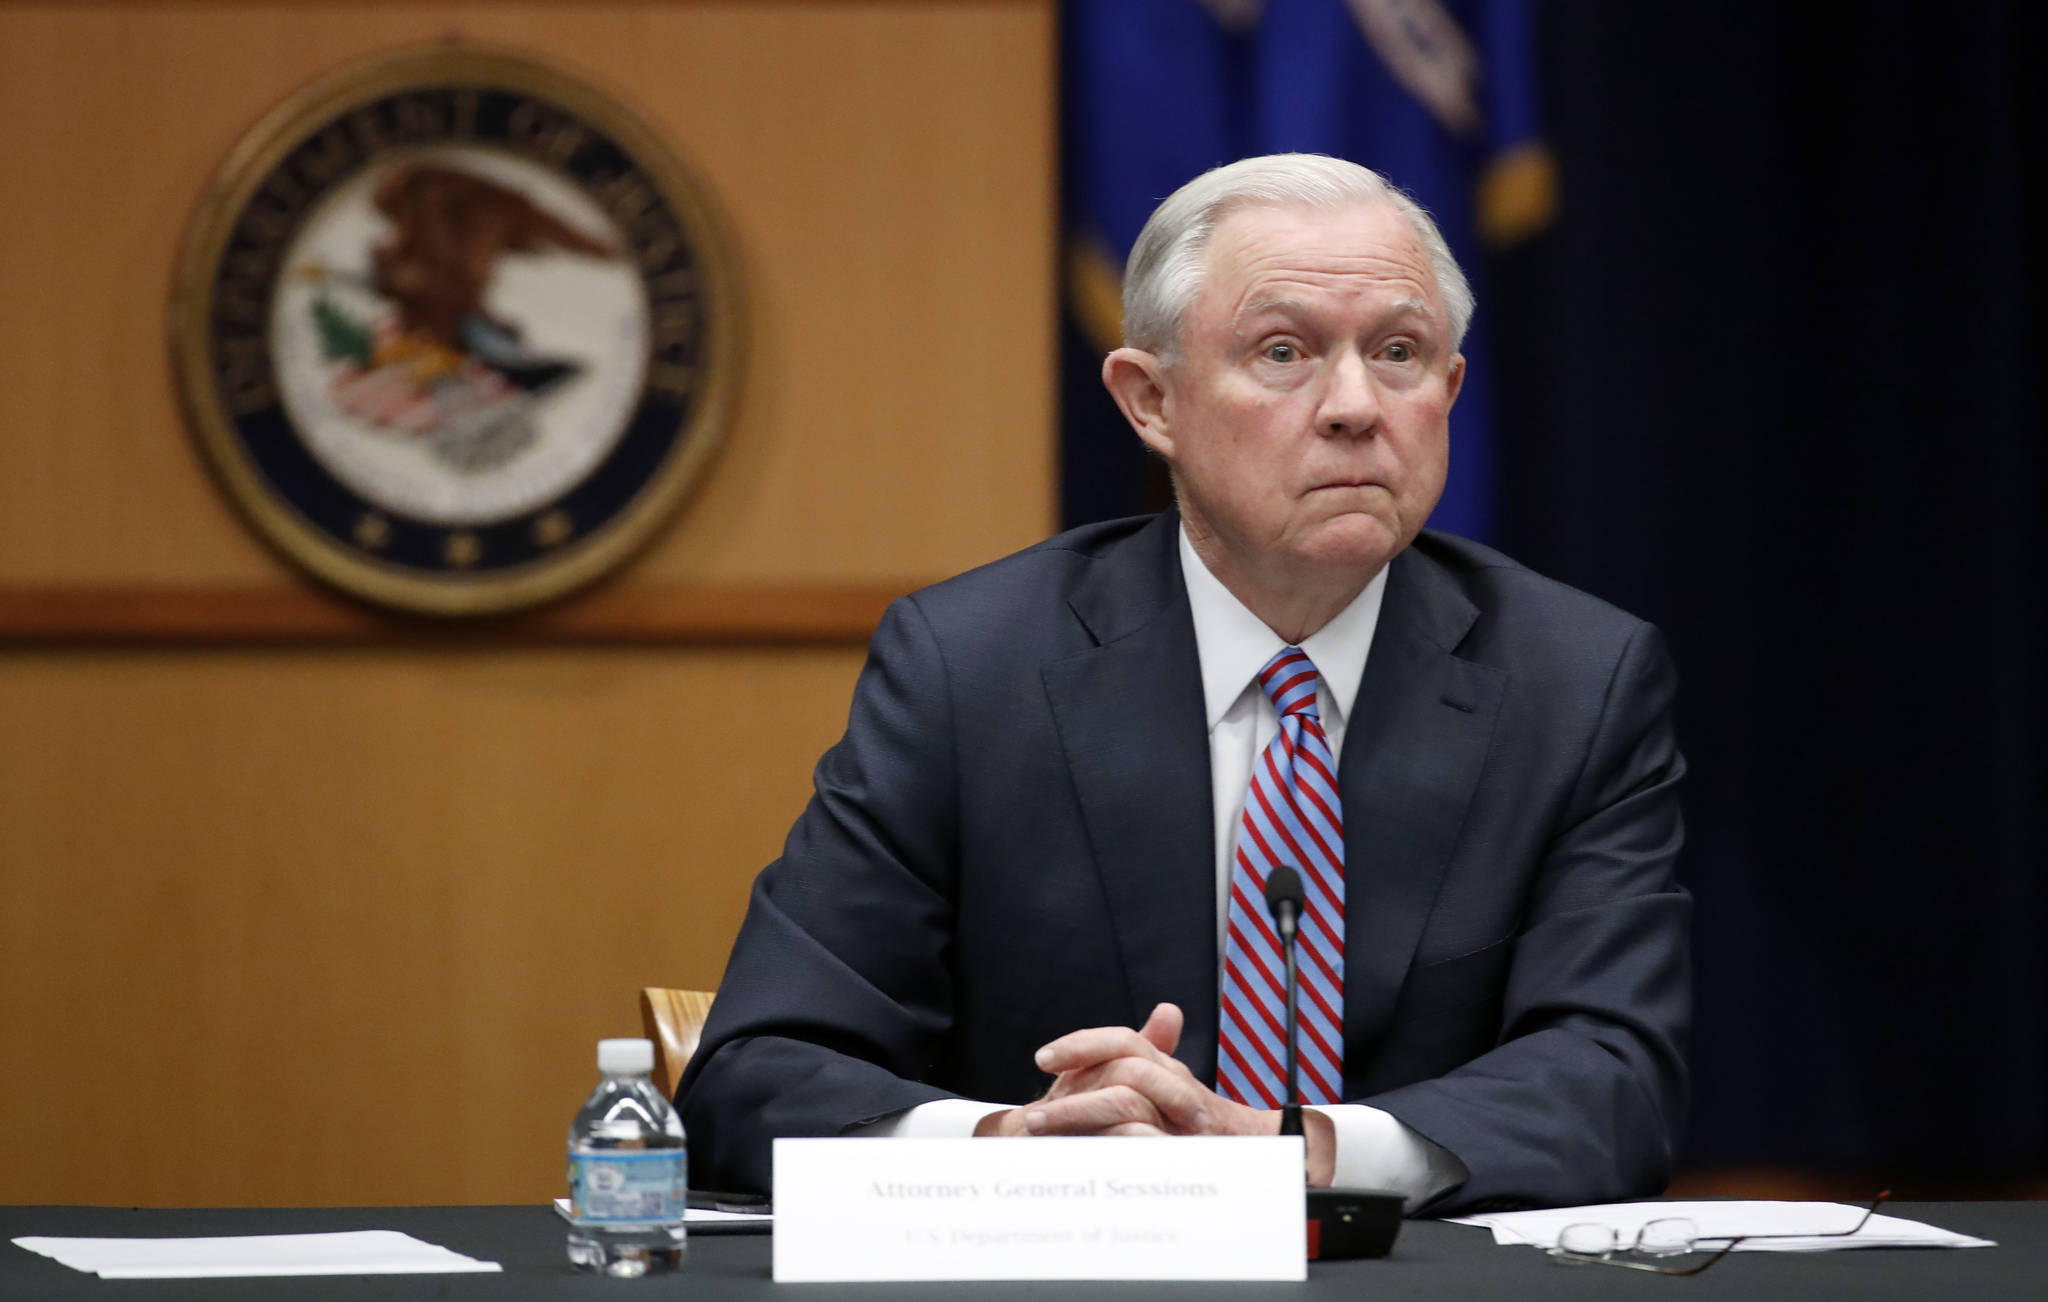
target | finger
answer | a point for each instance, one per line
(1136, 1130)
(1099, 1044)
(1091, 1113)
(1187, 1107)
(1162, 1028)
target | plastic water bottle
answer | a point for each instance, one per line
(628, 1170)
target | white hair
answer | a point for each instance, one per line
(1165, 270)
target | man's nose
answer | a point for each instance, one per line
(1351, 402)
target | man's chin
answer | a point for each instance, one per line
(1353, 542)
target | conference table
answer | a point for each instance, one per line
(1431, 1260)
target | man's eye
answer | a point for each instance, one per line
(1282, 352)
(1399, 352)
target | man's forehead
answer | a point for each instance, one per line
(1362, 225)
(1286, 304)
(1263, 257)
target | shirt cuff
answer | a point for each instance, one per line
(1375, 1151)
(940, 1119)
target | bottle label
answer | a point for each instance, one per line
(629, 1187)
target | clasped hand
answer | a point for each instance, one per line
(1111, 1080)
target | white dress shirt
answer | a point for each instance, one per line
(1374, 1150)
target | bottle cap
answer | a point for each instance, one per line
(617, 1057)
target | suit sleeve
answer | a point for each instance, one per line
(837, 992)
(1584, 1096)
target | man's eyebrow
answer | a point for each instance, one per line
(1270, 303)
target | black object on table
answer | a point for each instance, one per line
(1430, 1260)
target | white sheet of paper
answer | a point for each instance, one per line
(352, 1252)
(1193, 1207)
(1722, 1220)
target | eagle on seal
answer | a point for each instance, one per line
(452, 226)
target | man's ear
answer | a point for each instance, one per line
(1456, 383)
(1137, 380)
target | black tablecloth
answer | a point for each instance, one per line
(1431, 1260)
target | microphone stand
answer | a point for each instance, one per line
(1285, 900)
(1290, 1108)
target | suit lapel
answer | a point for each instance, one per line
(1130, 719)
(1413, 751)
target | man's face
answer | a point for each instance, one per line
(1306, 419)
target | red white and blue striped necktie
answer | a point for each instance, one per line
(1292, 815)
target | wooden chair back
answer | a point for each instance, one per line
(673, 1019)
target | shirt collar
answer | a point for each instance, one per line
(1234, 644)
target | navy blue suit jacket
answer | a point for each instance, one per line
(1014, 840)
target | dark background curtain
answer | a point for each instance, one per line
(1772, 381)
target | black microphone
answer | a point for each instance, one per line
(1285, 899)
(1341, 1222)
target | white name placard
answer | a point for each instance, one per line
(1195, 1207)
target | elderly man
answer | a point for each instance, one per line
(1068, 774)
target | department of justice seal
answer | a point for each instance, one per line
(455, 331)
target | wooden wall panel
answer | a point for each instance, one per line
(340, 922)
(295, 927)
(886, 170)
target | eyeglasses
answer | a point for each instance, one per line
(1672, 1236)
